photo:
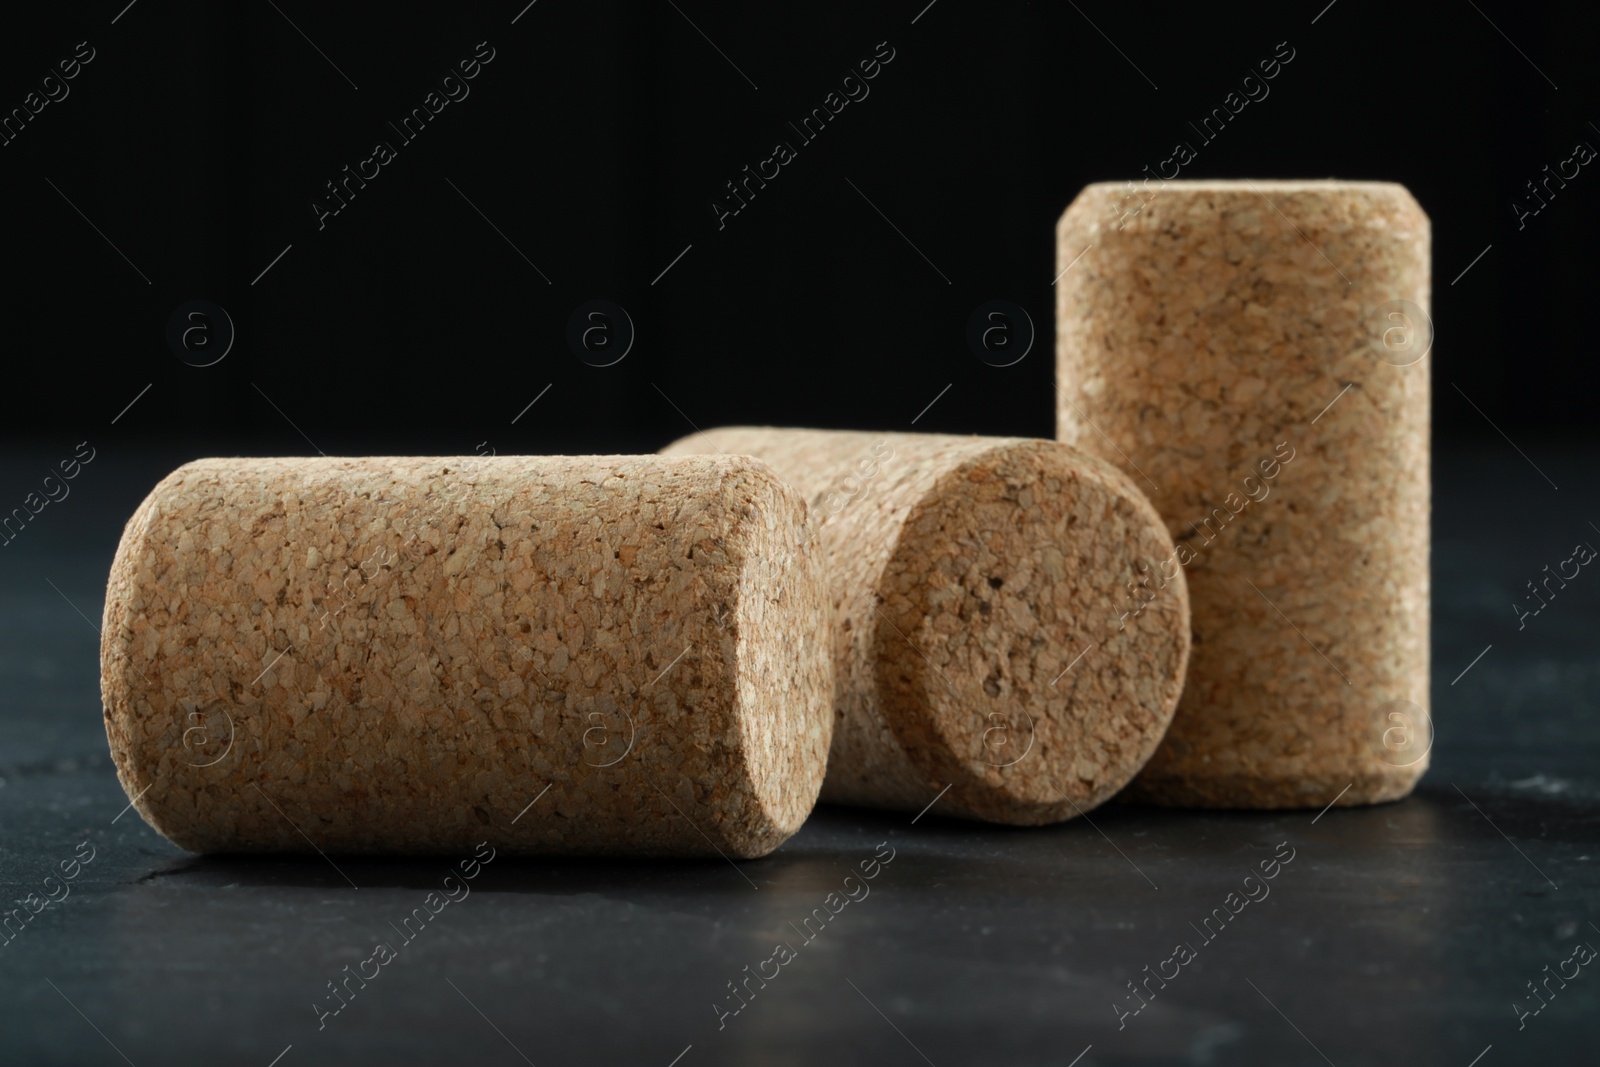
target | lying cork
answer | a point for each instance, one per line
(985, 639)
(551, 654)
(1252, 353)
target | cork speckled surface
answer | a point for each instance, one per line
(552, 654)
(981, 587)
(1254, 354)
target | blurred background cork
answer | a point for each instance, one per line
(1253, 353)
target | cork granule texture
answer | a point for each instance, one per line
(980, 587)
(1234, 346)
(554, 654)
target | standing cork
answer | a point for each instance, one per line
(1252, 352)
(550, 654)
(987, 640)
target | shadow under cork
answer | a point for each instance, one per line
(829, 847)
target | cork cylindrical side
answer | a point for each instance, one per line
(986, 637)
(551, 654)
(1254, 353)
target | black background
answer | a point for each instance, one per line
(596, 142)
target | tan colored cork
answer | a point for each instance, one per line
(1252, 352)
(980, 586)
(577, 654)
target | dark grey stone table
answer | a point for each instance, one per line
(1401, 934)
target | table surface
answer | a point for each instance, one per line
(1400, 934)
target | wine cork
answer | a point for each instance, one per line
(985, 638)
(551, 654)
(1252, 353)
